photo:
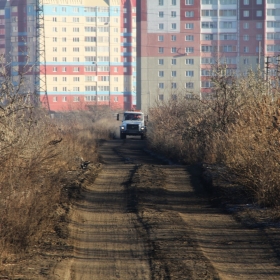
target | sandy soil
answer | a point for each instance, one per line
(141, 219)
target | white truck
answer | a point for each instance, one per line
(133, 123)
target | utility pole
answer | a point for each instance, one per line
(267, 67)
(40, 63)
(278, 65)
(259, 55)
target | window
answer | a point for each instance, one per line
(64, 88)
(246, 25)
(259, 37)
(90, 68)
(54, 39)
(173, 38)
(160, 14)
(160, 38)
(160, 2)
(189, 73)
(173, 73)
(64, 99)
(76, 29)
(161, 85)
(54, 88)
(259, 2)
(55, 79)
(64, 49)
(189, 14)
(189, 49)
(259, 13)
(173, 85)
(246, 49)
(228, 48)
(76, 69)
(173, 2)
(209, 24)
(161, 61)
(76, 39)
(64, 39)
(189, 26)
(64, 79)
(189, 38)
(160, 97)
(245, 13)
(246, 2)
(190, 61)
(173, 50)
(189, 2)
(173, 26)
(245, 37)
(64, 69)
(160, 49)
(228, 24)
(205, 72)
(189, 85)
(173, 61)
(209, 13)
(161, 73)
(90, 58)
(246, 61)
(76, 99)
(90, 88)
(173, 14)
(206, 84)
(232, 36)
(54, 69)
(160, 26)
(227, 13)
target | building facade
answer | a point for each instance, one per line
(89, 50)
(179, 41)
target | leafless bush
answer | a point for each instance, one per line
(237, 126)
(36, 151)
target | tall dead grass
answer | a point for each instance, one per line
(239, 127)
(36, 152)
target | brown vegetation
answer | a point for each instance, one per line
(37, 152)
(238, 127)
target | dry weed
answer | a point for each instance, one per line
(237, 126)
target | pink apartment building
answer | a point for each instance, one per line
(179, 40)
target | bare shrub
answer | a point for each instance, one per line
(238, 126)
(36, 151)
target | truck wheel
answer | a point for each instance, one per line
(123, 136)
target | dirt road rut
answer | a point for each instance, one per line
(141, 219)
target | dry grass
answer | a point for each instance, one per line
(239, 126)
(36, 152)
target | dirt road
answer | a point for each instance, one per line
(141, 219)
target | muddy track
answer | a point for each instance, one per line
(141, 219)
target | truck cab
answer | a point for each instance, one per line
(133, 123)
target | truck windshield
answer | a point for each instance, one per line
(133, 117)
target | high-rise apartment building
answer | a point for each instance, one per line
(179, 41)
(89, 49)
